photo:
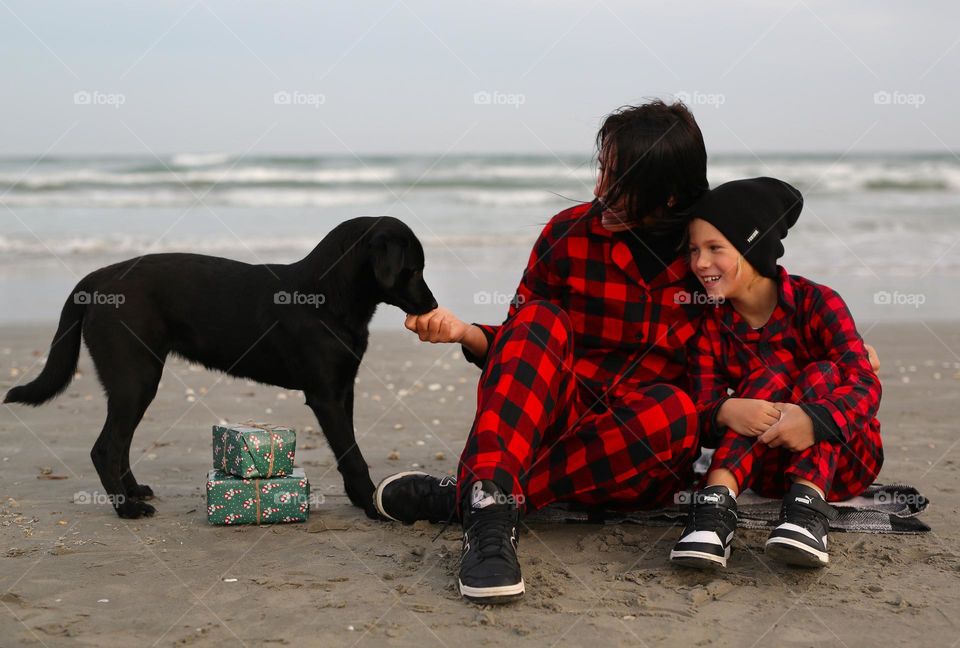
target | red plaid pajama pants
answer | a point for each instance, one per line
(842, 470)
(534, 434)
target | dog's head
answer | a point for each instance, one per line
(397, 260)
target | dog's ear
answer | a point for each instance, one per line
(387, 258)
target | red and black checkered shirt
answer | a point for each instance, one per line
(810, 323)
(627, 332)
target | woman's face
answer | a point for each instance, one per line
(605, 164)
(718, 265)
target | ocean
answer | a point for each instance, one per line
(882, 229)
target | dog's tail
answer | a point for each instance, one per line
(61, 362)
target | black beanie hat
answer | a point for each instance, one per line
(754, 214)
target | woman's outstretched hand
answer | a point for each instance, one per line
(873, 358)
(439, 325)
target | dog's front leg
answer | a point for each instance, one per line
(337, 425)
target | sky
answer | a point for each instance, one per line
(404, 76)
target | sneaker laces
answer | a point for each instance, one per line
(446, 524)
(490, 530)
(706, 517)
(805, 516)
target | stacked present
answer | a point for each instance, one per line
(253, 480)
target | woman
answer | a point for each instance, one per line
(583, 392)
(583, 395)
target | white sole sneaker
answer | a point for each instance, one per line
(699, 559)
(794, 552)
(501, 594)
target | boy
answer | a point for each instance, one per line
(800, 422)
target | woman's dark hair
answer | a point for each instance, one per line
(657, 152)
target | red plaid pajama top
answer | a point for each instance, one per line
(627, 332)
(583, 395)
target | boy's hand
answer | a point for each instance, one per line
(748, 416)
(439, 325)
(794, 431)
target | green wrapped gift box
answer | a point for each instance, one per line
(254, 450)
(236, 500)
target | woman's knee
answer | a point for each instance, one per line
(674, 409)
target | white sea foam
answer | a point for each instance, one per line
(200, 159)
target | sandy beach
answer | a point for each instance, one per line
(75, 574)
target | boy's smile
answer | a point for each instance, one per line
(714, 260)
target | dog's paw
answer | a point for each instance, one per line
(143, 492)
(132, 509)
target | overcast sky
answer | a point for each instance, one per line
(533, 77)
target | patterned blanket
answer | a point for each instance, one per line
(881, 509)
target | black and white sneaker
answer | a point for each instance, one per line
(711, 522)
(489, 569)
(410, 496)
(801, 537)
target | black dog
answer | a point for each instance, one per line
(299, 326)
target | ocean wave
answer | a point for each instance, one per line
(256, 176)
(172, 198)
(266, 198)
(126, 246)
(495, 181)
(507, 198)
(476, 171)
(200, 159)
(848, 176)
(115, 245)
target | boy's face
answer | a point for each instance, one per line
(714, 260)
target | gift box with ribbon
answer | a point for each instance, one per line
(238, 500)
(254, 450)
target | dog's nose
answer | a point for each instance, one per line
(434, 304)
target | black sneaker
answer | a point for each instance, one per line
(410, 496)
(801, 537)
(489, 569)
(711, 521)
